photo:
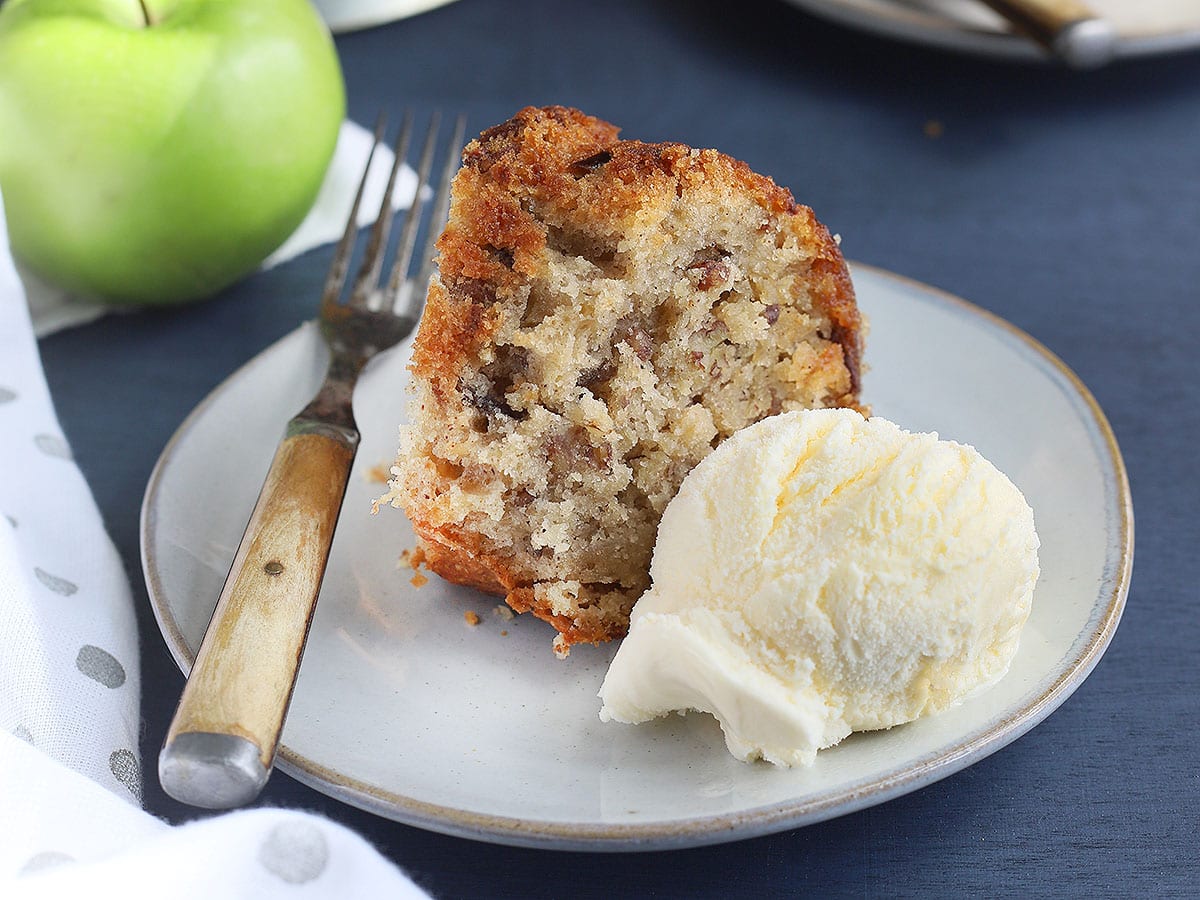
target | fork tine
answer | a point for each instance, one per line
(336, 278)
(441, 206)
(365, 285)
(408, 235)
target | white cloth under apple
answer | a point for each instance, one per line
(70, 786)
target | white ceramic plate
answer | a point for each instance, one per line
(1143, 28)
(404, 709)
(351, 15)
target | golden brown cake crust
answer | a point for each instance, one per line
(605, 312)
(540, 152)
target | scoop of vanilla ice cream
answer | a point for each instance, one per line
(821, 573)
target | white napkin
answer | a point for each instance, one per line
(53, 308)
(70, 785)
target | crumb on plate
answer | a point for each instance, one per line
(379, 473)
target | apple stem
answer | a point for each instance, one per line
(145, 13)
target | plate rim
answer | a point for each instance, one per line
(719, 828)
(926, 28)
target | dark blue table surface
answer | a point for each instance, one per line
(1068, 203)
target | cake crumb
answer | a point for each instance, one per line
(933, 129)
(504, 611)
(378, 474)
(504, 632)
(411, 558)
(471, 617)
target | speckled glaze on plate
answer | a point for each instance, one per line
(1143, 28)
(404, 709)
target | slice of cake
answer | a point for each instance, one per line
(606, 312)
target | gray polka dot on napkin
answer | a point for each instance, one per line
(100, 665)
(295, 852)
(127, 770)
(11, 520)
(47, 859)
(56, 584)
(7, 395)
(53, 445)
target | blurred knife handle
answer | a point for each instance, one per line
(1069, 29)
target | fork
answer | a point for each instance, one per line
(222, 741)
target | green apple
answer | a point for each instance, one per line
(157, 151)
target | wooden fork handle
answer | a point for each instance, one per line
(1068, 28)
(222, 742)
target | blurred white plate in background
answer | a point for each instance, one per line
(1143, 27)
(351, 15)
